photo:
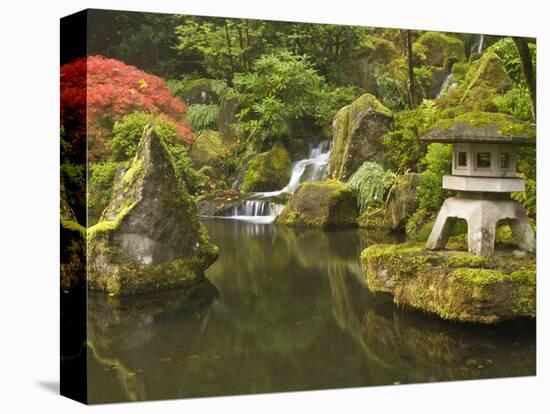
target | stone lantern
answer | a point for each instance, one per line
(483, 176)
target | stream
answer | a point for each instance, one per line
(284, 309)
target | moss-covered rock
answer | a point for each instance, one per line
(198, 91)
(207, 149)
(487, 79)
(149, 237)
(268, 171)
(454, 285)
(73, 246)
(400, 204)
(358, 131)
(322, 205)
(435, 48)
(229, 107)
(371, 55)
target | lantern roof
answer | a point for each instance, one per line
(482, 127)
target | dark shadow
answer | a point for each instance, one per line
(51, 386)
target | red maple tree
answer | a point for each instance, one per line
(97, 91)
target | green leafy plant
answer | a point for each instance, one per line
(282, 89)
(402, 145)
(391, 92)
(430, 194)
(371, 182)
(203, 116)
(508, 53)
(516, 102)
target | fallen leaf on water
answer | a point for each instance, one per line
(194, 356)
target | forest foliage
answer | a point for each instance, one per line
(285, 82)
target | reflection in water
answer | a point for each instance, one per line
(293, 314)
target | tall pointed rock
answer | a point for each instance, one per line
(149, 237)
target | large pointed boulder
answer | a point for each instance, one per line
(358, 130)
(149, 237)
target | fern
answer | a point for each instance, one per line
(203, 116)
(371, 182)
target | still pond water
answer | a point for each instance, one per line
(284, 310)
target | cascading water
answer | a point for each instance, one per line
(264, 207)
(480, 47)
(477, 46)
(446, 86)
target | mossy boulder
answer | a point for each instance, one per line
(400, 204)
(454, 285)
(268, 171)
(435, 49)
(207, 149)
(149, 237)
(198, 91)
(358, 131)
(487, 79)
(360, 67)
(229, 107)
(73, 246)
(322, 205)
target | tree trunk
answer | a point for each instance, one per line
(528, 72)
(412, 94)
(229, 50)
(241, 46)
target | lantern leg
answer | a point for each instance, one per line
(442, 229)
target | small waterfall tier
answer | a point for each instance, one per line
(264, 207)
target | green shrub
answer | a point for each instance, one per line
(371, 182)
(390, 91)
(516, 102)
(527, 168)
(282, 89)
(203, 116)
(507, 52)
(459, 71)
(403, 148)
(423, 76)
(430, 194)
(100, 188)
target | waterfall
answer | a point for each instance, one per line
(477, 46)
(263, 207)
(446, 86)
(480, 47)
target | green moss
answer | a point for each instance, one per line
(268, 171)
(207, 148)
(73, 226)
(109, 225)
(435, 48)
(454, 285)
(503, 124)
(377, 49)
(478, 277)
(321, 204)
(459, 71)
(486, 80)
(465, 260)
(351, 145)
